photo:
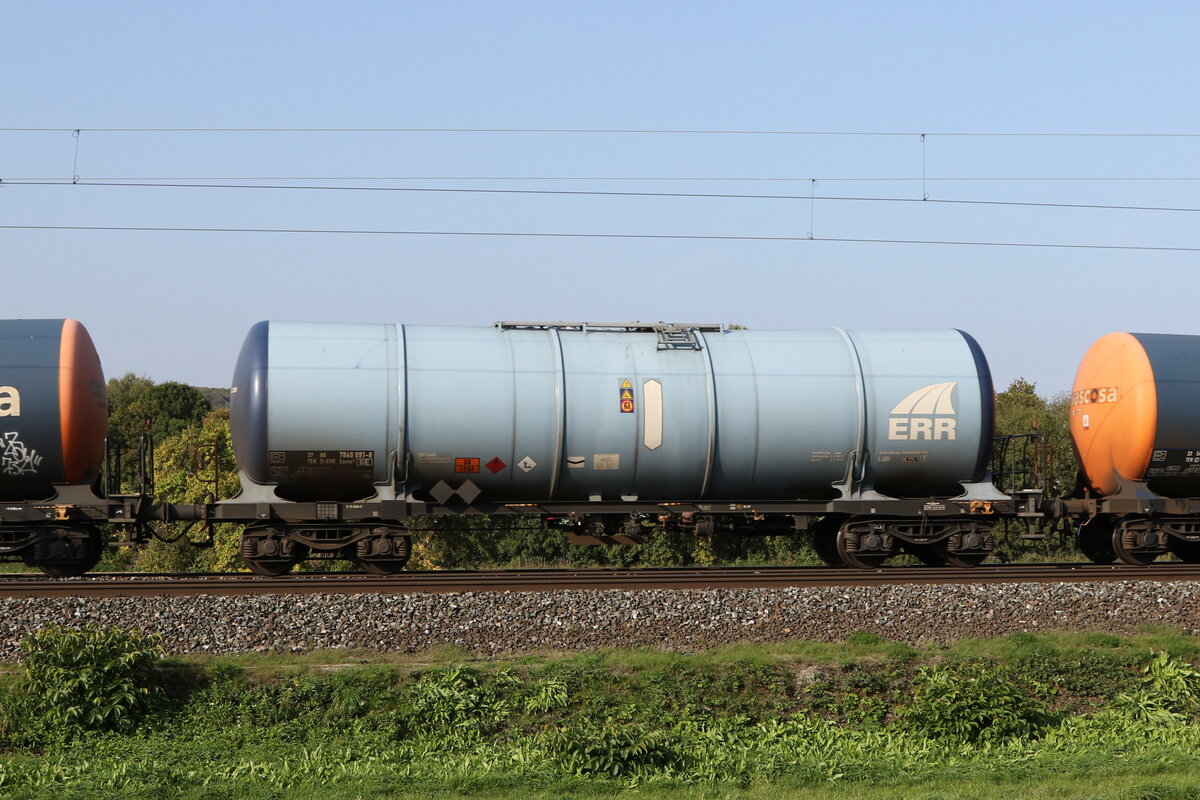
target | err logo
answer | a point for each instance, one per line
(927, 413)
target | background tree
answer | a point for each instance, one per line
(1047, 458)
(138, 405)
(195, 465)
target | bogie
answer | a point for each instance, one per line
(1137, 541)
(865, 545)
(270, 551)
(66, 552)
(383, 552)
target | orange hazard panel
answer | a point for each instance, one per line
(83, 403)
(1114, 411)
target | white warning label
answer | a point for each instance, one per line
(606, 461)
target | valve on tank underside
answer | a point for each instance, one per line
(603, 529)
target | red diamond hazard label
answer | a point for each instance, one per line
(495, 465)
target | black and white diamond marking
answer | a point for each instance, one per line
(441, 492)
(469, 491)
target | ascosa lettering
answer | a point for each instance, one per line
(1085, 397)
(10, 401)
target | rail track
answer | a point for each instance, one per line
(526, 580)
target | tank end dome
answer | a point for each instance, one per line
(248, 404)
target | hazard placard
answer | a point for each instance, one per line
(626, 397)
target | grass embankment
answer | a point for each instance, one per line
(1055, 715)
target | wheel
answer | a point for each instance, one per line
(964, 549)
(1095, 540)
(83, 552)
(1132, 545)
(289, 554)
(1185, 551)
(925, 554)
(383, 555)
(847, 548)
(824, 539)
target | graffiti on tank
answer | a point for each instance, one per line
(15, 457)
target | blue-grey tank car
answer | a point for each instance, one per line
(537, 412)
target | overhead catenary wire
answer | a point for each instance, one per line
(592, 193)
(618, 178)
(579, 235)
(640, 131)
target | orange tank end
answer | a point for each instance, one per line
(83, 403)
(1114, 412)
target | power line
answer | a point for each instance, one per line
(651, 131)
(589, 193)
(617, 178)
(554, 235)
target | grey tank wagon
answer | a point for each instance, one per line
(873, 440)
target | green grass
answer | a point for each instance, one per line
(860, 646)
(159, 768)
(1054, 715)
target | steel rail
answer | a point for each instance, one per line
(454, 581)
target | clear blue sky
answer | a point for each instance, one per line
(175, 306)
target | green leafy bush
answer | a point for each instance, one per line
(549, 694)
(1168, 692)
(973, 702)
(610, 748)
(458, 698)
(90, 679)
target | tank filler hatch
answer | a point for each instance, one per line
(671, 335)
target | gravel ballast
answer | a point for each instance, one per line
(683, 620)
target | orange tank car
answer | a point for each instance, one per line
(53, 408)
(1134, 413)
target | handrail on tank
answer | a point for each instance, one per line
(1022, 462)
(616, 327)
